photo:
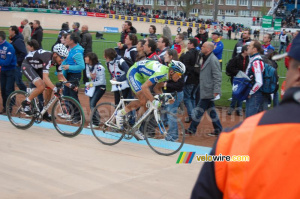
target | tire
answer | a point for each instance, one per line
(65, 113)
(14, 113)
(104, 134)
(160, 143)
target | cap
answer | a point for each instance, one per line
(216, 33)
(294, 50)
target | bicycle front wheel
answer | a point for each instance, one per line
(102, 124)
(68, 116)
(168, 138)
(15, 112)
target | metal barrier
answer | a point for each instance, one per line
(99, 46)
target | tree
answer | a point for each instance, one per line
(189, 5)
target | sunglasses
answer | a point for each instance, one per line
(62, 57)
(179, 74)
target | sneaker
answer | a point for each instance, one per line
(213, 134)
(139, 135)
(187, 119)
(189, 132)
(171, 139)
(47, 117)
(26, 107)
(239, 112)
(76, 121)
(229, 112)
(119, 119)
(64, 115)
(93, 125)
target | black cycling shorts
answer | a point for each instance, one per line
(31, 73)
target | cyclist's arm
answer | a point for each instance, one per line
(146, 90)
(158, 88)
(47, 80)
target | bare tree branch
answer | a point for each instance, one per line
(190, 4)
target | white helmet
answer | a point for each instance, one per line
(61, 50)
(177, 66)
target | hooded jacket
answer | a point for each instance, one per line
(8, 58)
(37, 34)
(20, 49)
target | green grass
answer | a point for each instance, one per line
(112, 38)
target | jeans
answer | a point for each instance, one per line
(7, 84)
(190, 91)
(71, 93)
(99, 91)
(172, 108)
(236, 102)
(18, 78)
(256, 103)
(282, 47)
(206, 105)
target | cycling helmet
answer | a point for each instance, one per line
(61, 50)
(177, 66)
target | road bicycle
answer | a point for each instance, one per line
(67, 114)
(157, 125)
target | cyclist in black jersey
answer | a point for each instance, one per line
(36, 67)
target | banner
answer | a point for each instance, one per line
(111, 29)
(4, 9)
(267, 22)
(277, 24)
(15, 9)
(93, 14)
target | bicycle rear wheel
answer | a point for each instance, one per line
(167, 143)
(105, 134)
(68, 116)
(15, 112)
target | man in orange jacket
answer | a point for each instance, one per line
(271, 141)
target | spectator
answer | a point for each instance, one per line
(130, 52)
(267, 47)
(170, 87)
(64, 30)
(262, 136)
(126, 29)
(256, 101)
(21, 52)
(189, 31)
(26, 31)
(150, 50)
(37, 32)
(63, 39)
(286, 61)
(229, 32)
(236, 64)
(117, 68)
(8, 62)
(152, 33)
(219, 46)
(284, 40)
(178, 31)
(183, 47)
(31, 26)
(163, 44)
(244, 41)
(210, 88)
(96, 72)
(86, 43)
(202, 36)
(254, 20)
(178, 42)
(72, 66)
(140, 50)
(76, 26)
(191, 78)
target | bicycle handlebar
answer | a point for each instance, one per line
(60, 84)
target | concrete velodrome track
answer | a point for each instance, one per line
(40, 163)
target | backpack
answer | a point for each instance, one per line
(270, 79)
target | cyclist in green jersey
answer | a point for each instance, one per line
(141, 76)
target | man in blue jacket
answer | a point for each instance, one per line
(219, 46)
(18, 43)
(8, 63)
(73, 65)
